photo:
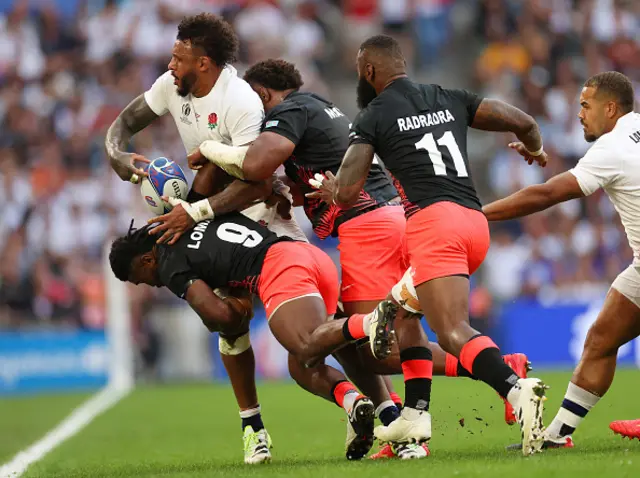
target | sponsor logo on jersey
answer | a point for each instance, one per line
(271, 124)
(186, 111)
(635, 137)
(423, 121)
(212, 121)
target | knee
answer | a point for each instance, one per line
(303, 353)
(598, 343)
(454, 336)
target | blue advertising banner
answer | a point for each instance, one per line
(554, 335)
(33, 362)
(551, 335)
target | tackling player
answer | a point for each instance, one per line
(420, 133)
(207, 100)
(297, 283)
(309, 135)
(608, 119)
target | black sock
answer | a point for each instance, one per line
(417, 368)
(254, 421)
(463, 372)
(487, 364)
(388, 415)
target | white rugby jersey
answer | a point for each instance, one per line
(231, 113)
(613, 164)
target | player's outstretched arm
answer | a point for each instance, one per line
(496, 115)
(265, 155)
(255, 162)
(237, 196)
(135, 117)
(352, 174)
(535, 198)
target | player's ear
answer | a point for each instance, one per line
(264, 94)
(204, 63)
(148, 259)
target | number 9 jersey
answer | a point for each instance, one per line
(420, 133)
(228, 251)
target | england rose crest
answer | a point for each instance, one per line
(213, 121)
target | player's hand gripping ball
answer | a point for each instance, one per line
(166, 178)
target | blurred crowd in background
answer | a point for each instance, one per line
(67, 68)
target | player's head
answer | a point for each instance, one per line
(133, 257)
(380, 60)
(273, 80)
(605, 98)
(205, 44)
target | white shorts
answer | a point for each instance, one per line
(628, 284)
(270, 218)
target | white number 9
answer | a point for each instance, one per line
(238, 234)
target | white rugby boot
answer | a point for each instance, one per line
(360, 429)
(527, 398)
(412, 426)
(381, 333)
(256, 446)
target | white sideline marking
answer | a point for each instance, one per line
(79, 418)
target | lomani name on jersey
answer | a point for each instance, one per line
(422, 121)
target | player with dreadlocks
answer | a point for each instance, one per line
(297, 283)
(309, 136)
(207, 100)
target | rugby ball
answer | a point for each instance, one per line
(166, 178)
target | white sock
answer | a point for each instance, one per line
(366, 322)
(575, 406)
(383, 406)
(349, 400)
(250, 412)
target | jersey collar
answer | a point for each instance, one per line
(627, 117)
(226, 75)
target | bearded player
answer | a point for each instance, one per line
(309, 135)
(207, 100)
(419, 132)
(609, 122)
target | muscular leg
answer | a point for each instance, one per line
(445, 304)
(292, 325)
(349, 357)
(617, 324)
(241, 370)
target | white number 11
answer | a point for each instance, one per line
(447, 140)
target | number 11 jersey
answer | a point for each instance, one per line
(420, 133)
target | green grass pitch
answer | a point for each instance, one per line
(194, 431)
